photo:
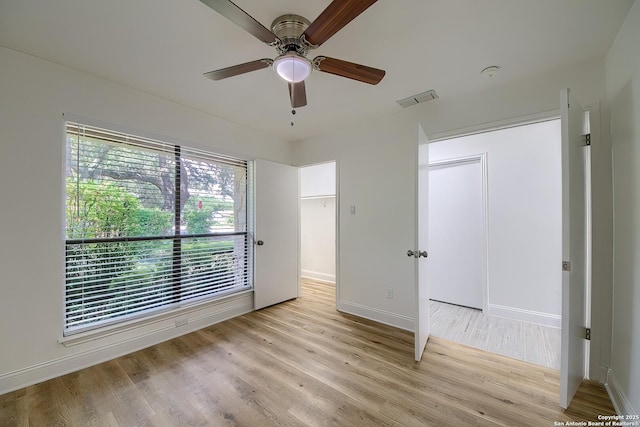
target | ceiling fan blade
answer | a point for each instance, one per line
(242, 19)
(298, 94)
(235, 70)
(349, 70)
(338, 14)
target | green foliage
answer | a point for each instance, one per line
(104, 209)
(199, 220)
(153, 221)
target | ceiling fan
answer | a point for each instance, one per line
(293, 36)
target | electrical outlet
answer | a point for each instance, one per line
(181, 322)
(390, 293)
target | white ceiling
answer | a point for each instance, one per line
(162, 47)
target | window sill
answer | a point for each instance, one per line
(162, 319)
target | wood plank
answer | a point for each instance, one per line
(520, 340)
(303, 363)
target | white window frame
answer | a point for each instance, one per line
(181, 306)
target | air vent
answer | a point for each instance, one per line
(417, 99)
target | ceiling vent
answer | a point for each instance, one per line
(418, 99)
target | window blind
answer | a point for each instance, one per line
(150, 226)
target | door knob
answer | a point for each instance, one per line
(259, 243)
(410, 253)
(423, 254)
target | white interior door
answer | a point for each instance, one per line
(456, 232)
(572, 361)
(422, 326)
(276, 233)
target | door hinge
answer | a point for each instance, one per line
(587, 139)
(566, 266)
(587, 334)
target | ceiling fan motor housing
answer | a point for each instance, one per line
(289, 28)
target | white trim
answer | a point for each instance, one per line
(299, 233)
(457, 161)
(529, 316)
(543, 116)
(319, 276)
(322, 196)
(63, 365)
(485, 225)
(617, 396)
(377, 315)
(337, 216)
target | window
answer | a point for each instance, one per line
(150, 226)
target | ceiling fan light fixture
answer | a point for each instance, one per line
(292, 67)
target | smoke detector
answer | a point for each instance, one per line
(490, 72)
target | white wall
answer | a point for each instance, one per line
(318, 180)
(623, 95)
(318, 222)
(377, 166)
(318, 238)
(35, 94)
(524, 217)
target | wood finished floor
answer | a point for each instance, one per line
(302, 363)
(520, 340)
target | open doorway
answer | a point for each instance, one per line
(318, 223)
(520, 188)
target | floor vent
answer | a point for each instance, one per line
(417, 99)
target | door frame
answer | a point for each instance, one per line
(482, 159)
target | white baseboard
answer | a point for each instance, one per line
(319, 276)
(539, 318)
(101, 353)
(617, 396)
(377, 315)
